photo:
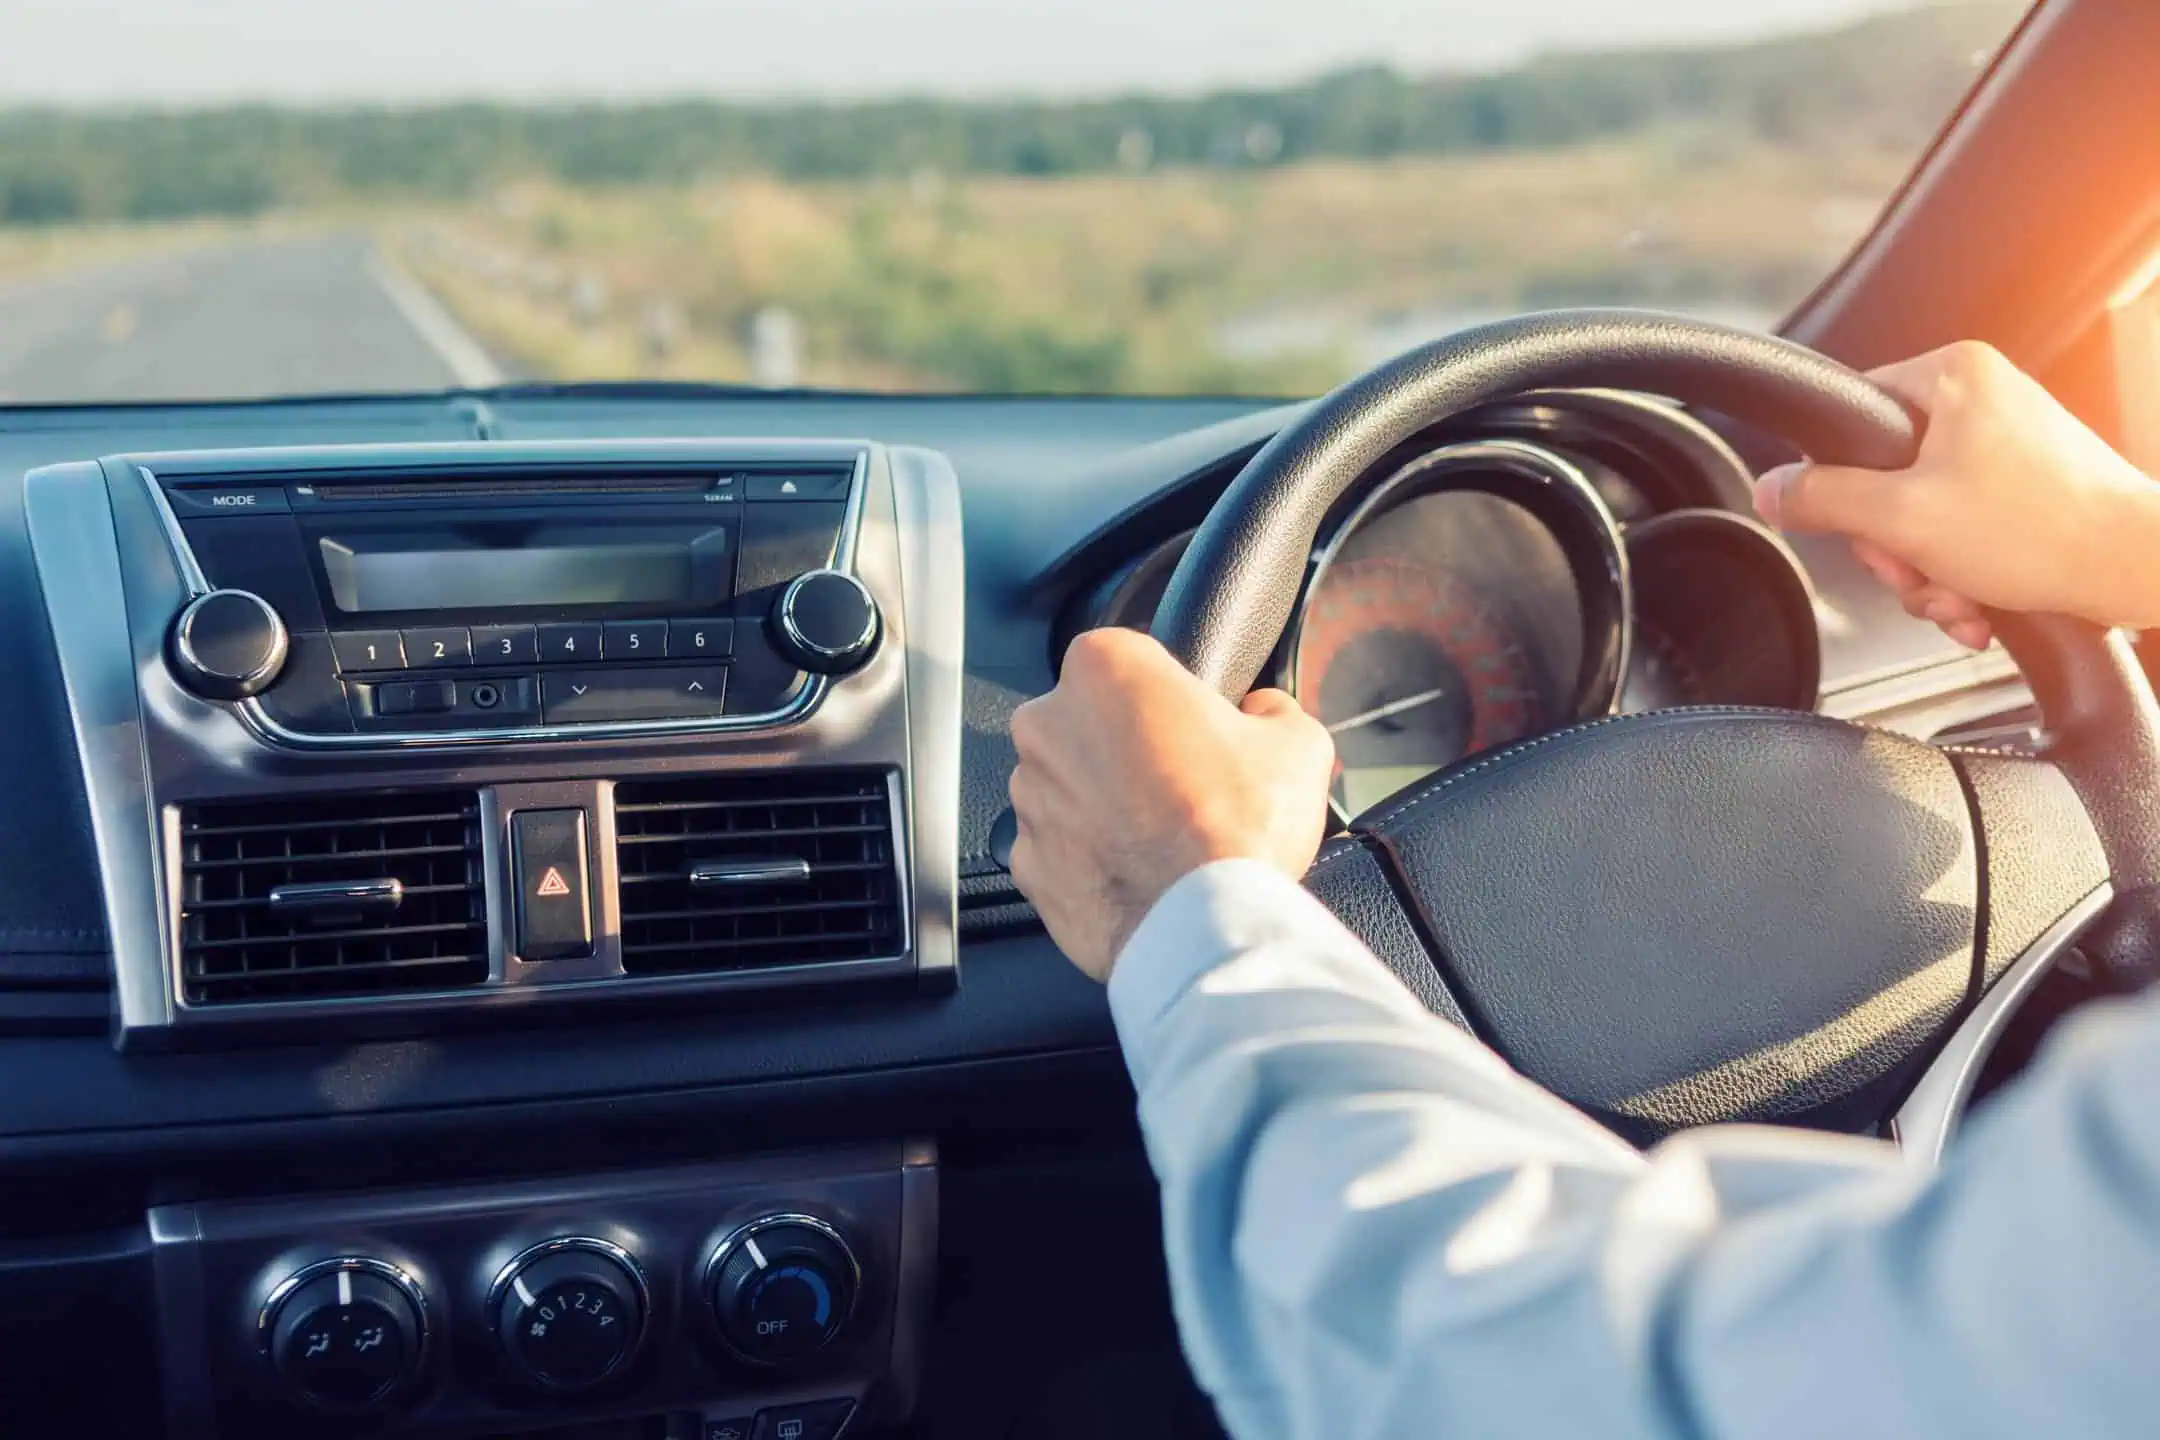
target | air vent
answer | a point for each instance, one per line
(341, 895)
(747, 872)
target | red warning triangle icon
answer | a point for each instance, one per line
(552, 883)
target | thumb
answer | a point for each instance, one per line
(1270, 704)
(1808, 497)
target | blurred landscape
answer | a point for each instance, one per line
(1263, 241)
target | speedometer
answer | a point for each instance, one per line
(1409, 670)
(1478, 595)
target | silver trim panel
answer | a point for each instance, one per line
(1931, 1114)
(150, 747)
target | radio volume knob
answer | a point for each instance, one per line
(826, 621)
(227, 645)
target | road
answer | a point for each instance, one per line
(313, 314)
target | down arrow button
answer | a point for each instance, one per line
(584, 697)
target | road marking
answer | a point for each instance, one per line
(468, 362)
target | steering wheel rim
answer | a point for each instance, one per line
(1235, 589)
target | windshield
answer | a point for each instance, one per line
(230, 198)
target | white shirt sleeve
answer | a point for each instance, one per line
(1376, 1228)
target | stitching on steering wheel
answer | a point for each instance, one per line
(1403, 806)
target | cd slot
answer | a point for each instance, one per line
(476, 487)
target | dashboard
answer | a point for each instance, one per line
(474, 857)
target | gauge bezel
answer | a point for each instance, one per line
(1664, 544)
(1561, 497)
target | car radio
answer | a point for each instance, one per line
(369, 607)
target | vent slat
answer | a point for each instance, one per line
(328, 937)
(794, 832)
(301, 827)
(820, 868)
(346, 857)
(236, 947)
(839, 823)
(262, 902)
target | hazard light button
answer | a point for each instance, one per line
(550, 871)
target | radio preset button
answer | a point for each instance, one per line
(368, 650)
(636, 640)
(573, 644)
(505, 645)
(437, 646)
(700, 639)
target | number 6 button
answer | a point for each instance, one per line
(700, 639)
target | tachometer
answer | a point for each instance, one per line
(1409, 671)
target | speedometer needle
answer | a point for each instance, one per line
(1393, 707)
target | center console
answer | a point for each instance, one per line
(408, 741)
(390, 735)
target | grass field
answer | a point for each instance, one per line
(1269, 281)
(1177, 281)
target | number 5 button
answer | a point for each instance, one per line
(700, 639)
(636, 639)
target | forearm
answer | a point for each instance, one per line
(1375, 1228)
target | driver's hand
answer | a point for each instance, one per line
(1133, 774)
(2012, 504)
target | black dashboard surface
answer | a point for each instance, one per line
(1037, 476)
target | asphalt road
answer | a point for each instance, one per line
(315, 314)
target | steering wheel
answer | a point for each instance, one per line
(1707, 914)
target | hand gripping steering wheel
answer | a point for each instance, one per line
(1706, 914)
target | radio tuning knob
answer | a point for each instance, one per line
(227, 645)
(826, 621)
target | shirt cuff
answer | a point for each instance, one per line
(1214, 913)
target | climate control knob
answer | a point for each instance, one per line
(826, 621)
(345, 1334)
(782, 1287)
(569, 1312)
(228, 645)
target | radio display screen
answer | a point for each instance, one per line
(550, 566)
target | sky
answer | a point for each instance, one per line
(95, 52)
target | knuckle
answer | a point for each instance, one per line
(1026, 725)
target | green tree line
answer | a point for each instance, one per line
(1887, 81)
